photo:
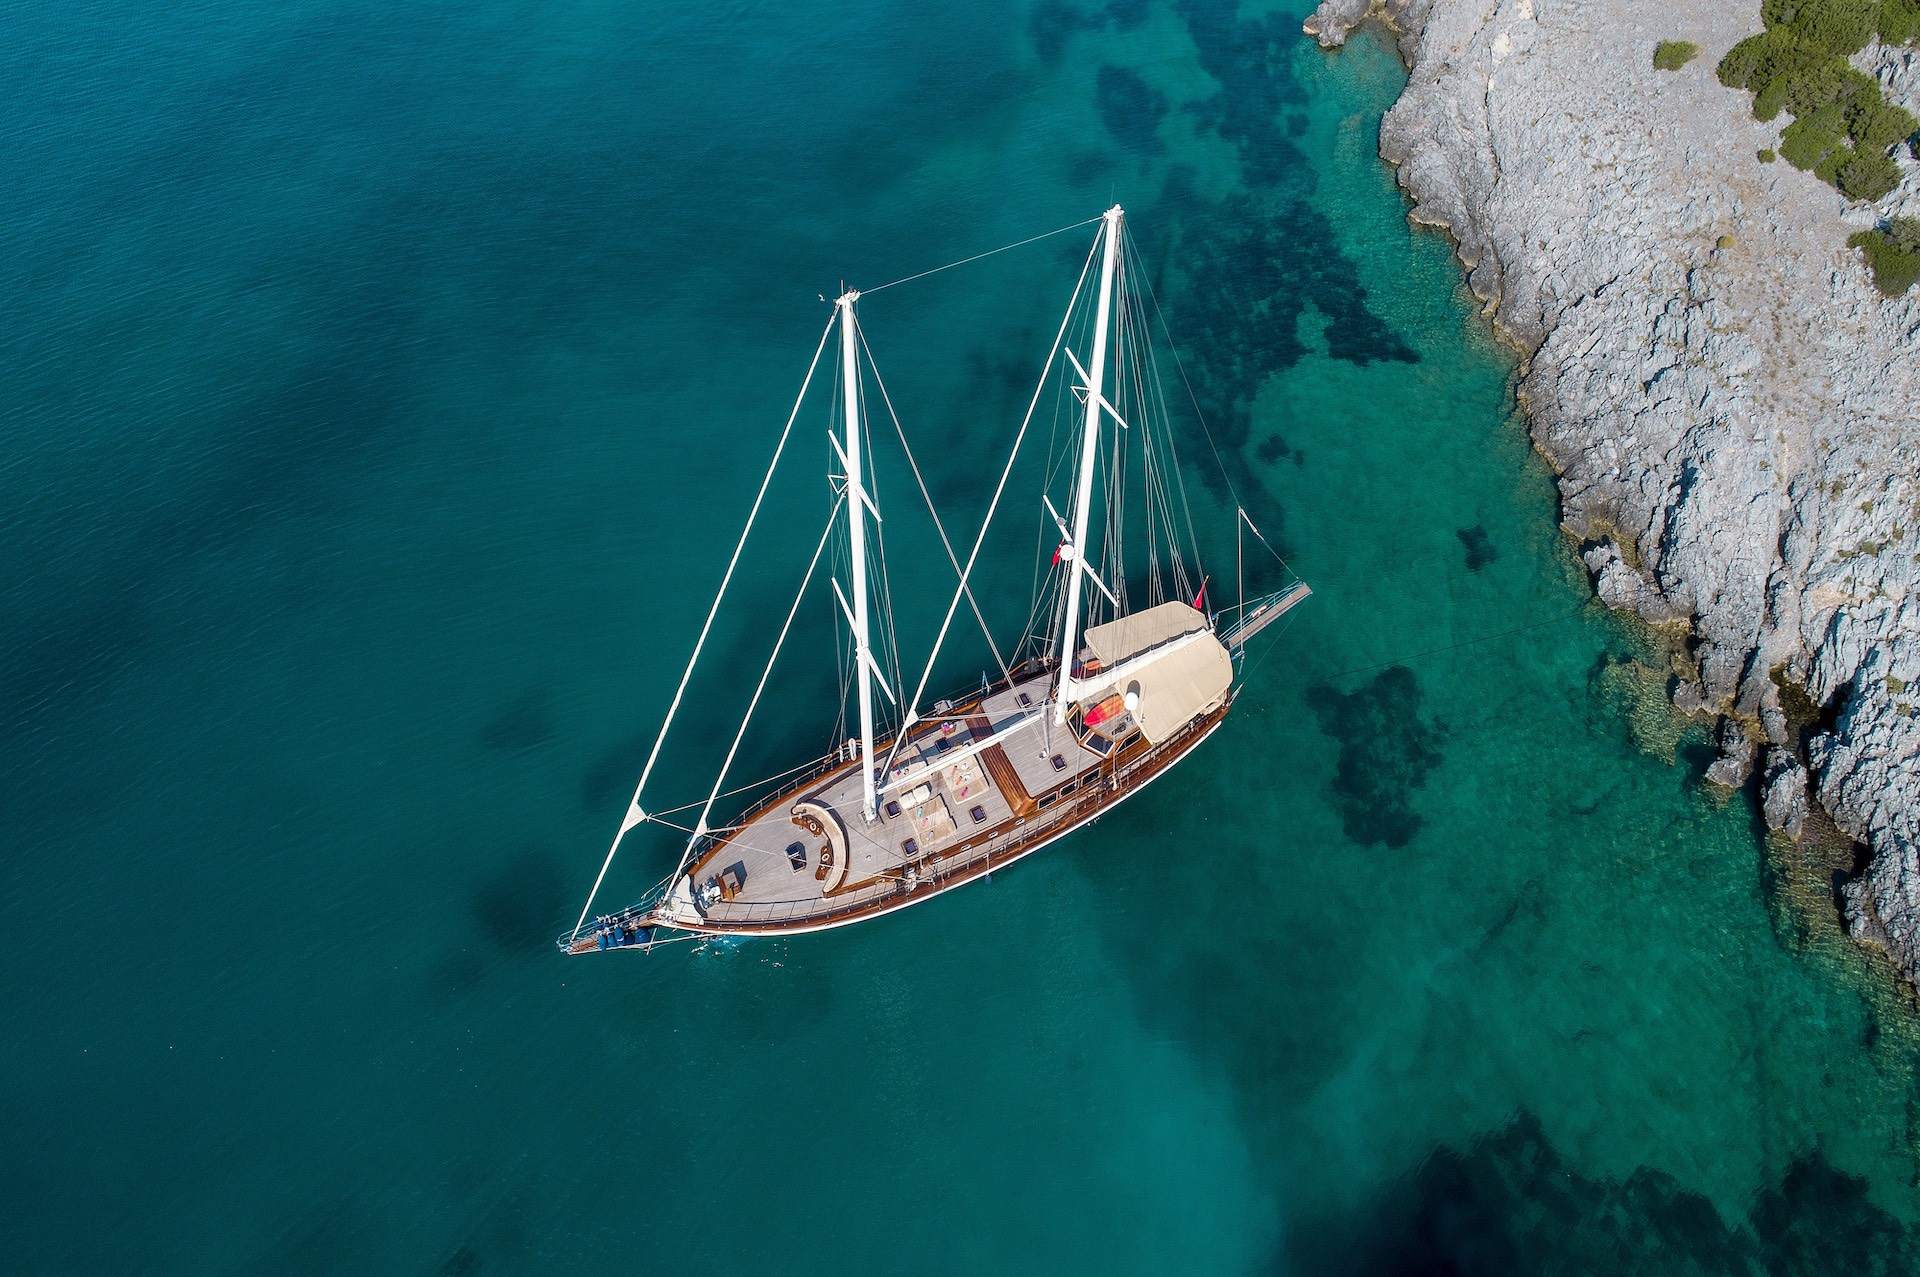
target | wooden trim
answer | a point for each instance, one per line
(1061, 820)
(1007, 781)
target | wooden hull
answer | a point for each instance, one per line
(1028, 829)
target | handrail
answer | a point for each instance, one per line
(1117, 781)
(749, 916)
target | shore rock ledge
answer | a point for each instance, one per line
(1733, 409)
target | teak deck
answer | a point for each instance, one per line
(784, 869)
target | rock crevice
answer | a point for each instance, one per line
(1733, 410)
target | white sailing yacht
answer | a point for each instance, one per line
(1102, 700)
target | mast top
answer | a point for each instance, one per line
(847, 298)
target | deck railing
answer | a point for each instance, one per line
(971, 859)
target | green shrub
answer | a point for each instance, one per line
(1826, 81)
(1766, 155)
(1828, 169)
(1805, 143)
(1899, 21)
(1894, 268)
(1768, 101)
(1843, 26)
(1867, 175)
(1759, 58)
(1876, 124)
(1842, 125)
(1671, 55)
(1838, 26)
(1831, 118)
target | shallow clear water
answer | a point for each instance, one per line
(385, 390)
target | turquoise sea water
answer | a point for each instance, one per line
(385, 387)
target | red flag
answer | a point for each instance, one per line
(1056, 552)
(1200, 599)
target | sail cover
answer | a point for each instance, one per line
(1190, 679)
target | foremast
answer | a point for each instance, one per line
(1075, 549)
(858, 505)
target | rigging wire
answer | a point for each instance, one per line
(654, 816)
(898, 713)
(845, 657)
(778, 643)
(1158, 511)
(634, 813)
(928, 496)
(1062, 458)
(977, 256)
(1000, 488)
(1159, 415)
(1226, 476)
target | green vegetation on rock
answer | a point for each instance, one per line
(1867, 175)
(1843, 128)
(1893, 252)
(1671, 55)
(1899, 21)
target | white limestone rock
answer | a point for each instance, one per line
(1784, 791)
(1898, 70)
(1729, 402)
(1334, 19)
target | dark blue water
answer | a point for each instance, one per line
(384, 391)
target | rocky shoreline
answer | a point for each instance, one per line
(1732, 408)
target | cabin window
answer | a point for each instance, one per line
(910, 846)
(1098, 744)
(942, 745)
(1059, 763)
(979, 815)
(1025, 700)
(893, 809)
(1048, 800)
(1069, 787)
(1021, 821)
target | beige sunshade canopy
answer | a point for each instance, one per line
(1115, 641)
(1191, 678)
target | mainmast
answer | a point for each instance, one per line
(1089, 448)
(857, 505)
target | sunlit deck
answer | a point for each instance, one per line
(806, 859)
(812, 851)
